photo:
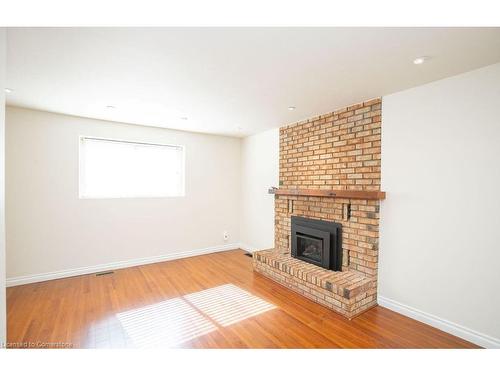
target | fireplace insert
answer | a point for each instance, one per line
(318, 242)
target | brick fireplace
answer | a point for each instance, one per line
(329, 170)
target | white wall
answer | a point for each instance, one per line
(49, 229)
(260, 171)
(440, 223)
(3, 329)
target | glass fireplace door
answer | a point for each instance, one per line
(310, 247)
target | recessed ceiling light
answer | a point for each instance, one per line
(184, 118)
(7, 90)
(110, 107)
(291, 108)
(420, 60)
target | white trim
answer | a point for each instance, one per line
(20, 280)
(442, 324)
(248, 248)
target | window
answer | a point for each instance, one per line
(120, 169)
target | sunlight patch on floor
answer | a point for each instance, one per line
(227, 304)
(178, 320)
(164, 324)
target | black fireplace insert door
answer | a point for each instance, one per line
(311, 245)
(318, 242)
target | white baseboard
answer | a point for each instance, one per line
(20, 280)
(442, 324)
(248, 248)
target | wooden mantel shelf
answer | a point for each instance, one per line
(353, 194)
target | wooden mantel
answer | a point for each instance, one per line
(352, 194)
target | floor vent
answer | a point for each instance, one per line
(248, 255)
(104, 273)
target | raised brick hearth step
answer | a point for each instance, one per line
(347, 292)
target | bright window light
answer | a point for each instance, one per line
(227, 304)
(166, 324)
(122, 169)
(176, 321)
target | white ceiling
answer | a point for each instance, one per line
(225, 79)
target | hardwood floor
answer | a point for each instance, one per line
(209, 301)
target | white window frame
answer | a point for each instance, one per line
(81, 166)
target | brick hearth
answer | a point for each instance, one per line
(335, 151)
(349, 292)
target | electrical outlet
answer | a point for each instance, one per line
(226, 235)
